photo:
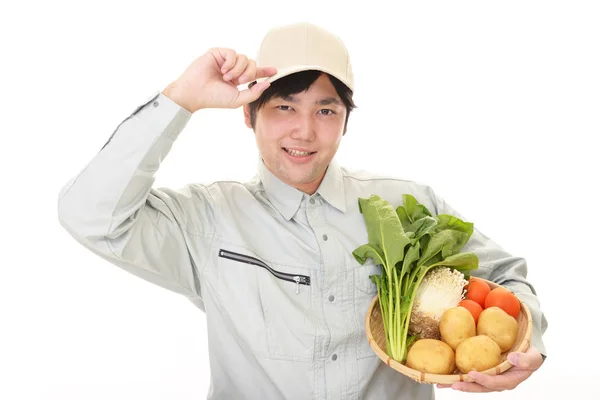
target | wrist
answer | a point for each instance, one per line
(174, 92)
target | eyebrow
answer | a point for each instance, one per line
(322, 102)
(329, 100)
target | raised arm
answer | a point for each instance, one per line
(111, 207)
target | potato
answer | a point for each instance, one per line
(498, 325)
(477, 353)
(431, 356)
(456, 325)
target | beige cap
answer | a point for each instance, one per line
(304, 46)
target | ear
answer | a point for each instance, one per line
(247, 116)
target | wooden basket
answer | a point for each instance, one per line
(376, 337)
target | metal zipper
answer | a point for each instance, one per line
(298, 279)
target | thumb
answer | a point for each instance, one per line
(249, 95)
(527, 360)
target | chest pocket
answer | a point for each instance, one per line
(366, 290)
(362, 275)
(269, 305)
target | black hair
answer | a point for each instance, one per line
(296, 83)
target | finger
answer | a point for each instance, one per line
(443, 386)
(225, 58)
(530, 360)
(493, 382)
(470, 387)
(249, 95)
(240, 65)
(265, 72)
(505, 381)
(249, 73)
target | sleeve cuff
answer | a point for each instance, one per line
(160, 110)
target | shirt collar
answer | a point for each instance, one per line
(332, 186)
(287, 199)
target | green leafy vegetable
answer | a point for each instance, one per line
(408, 242)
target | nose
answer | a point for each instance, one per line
(304, 128)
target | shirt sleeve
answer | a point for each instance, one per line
(111, 208)
(501, 267)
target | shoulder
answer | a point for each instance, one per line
(367, 178)
(210, 192)
(361, 175)
(363, 183)
(223, 189)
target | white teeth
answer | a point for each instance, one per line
(298, 153)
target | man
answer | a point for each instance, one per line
(269, 261)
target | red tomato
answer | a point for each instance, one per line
(474, 308)
(504, 299)
(477, 290)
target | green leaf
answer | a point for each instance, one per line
(376, 279)
(446, 221)
(422, 227)
(405, 304)
(448, 242)
(414, 209)
(436, 258)
(410, 204)
(463, 262)
(411, 256)
(362, 253)
(384, 230)
(424, 241)
(401, 212)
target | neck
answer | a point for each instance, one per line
(310, 187)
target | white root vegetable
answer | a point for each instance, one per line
(442, 288)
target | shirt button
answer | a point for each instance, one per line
(331, 298)
(155, 104)
(312, 201)
(334, 357)
(325, 237)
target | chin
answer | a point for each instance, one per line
(297, 174)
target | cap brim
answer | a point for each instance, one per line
(282, 72)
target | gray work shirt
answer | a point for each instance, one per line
(271, 267)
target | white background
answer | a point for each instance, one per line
(493, 104)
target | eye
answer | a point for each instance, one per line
(326, 111)
(284, 108)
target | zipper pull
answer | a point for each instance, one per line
(297, 280)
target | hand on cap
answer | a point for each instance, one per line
(211, 81)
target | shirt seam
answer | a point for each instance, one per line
(378, 179)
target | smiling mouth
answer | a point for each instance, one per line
(298, 153)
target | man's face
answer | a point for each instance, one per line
(298, 136)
